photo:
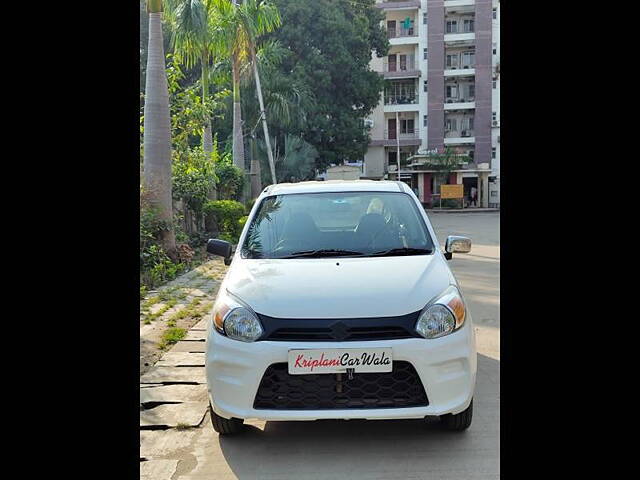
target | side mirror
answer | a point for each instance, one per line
(220, 248)
(456, 244)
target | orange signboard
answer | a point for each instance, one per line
(451, 191)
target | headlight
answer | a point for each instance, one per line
(235, 319)
(443, 315)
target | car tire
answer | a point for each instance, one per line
(225, 426)
(459, 421)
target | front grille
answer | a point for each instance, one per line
(399, 388)
(344, 329)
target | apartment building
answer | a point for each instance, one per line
(442, 90)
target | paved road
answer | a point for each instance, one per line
(408, 449)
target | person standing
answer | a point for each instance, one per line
(474, 196)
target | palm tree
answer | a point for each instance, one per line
(157, 129)
(194, 29)
(242, 25)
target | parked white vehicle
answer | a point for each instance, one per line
(339, 304)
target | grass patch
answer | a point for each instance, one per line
(149, 317)
(171, 336)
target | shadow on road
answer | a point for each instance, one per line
(375, 448)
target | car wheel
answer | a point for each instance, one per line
(459, 421)
(225, 426)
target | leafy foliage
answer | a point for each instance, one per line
(295, 160)
(231, 179)
(228, 214)
(329, 45)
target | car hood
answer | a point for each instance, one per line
(338, 287)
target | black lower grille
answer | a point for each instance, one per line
(340, 330)
(399, 388)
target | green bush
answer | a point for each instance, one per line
(228, 214)
(231, 180)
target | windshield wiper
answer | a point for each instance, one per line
(402, 251)
(324, 253)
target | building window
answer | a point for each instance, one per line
(452, 61)
(493, 152)
(495, 51)
(450, 125)
(406, 126)
(424, 121)
(494, 116)
(425, 85)
(495, 13)
(424, 18)
(424, 52)
(495, 84)
(469, 26)
(451, 92)
(472, 92)
(452, 26)
(468, 59)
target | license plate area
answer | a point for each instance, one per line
(339, 360)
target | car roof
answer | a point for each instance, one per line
(335, 186)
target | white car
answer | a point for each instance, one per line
(339, 304)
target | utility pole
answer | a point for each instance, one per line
(398, 142)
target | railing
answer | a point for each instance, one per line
(459, 99)
(402, 136)
(459, 29)
(406, 98)
(399, 66)
(458, 133)
(398, 32)
(398, 4)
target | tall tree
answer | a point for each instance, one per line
(157, 129)
(193, 25)
(243, 24)
(330, 44)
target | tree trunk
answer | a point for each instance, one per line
(207, 136)
(256, 174)
(238, 145)
(263, 115)
(157, 133)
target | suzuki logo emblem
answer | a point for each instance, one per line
(339, 330)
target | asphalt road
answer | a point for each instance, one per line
(383, 449)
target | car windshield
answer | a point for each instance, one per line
(337, 224)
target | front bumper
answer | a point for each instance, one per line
(446, 366)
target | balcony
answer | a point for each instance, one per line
(403, 98)
(399, 5)
(458, 3)
(459, 137)
(466, 133)
(407, 139)
(403, 69)
(459, 28)
(459, 72)
(459, 103)
(401, 32)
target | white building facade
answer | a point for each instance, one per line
(442, 89)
